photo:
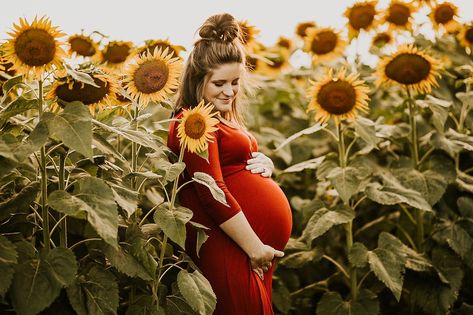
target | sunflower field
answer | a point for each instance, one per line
(376, 161)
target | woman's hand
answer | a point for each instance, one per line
(260, 163)
(262, 260)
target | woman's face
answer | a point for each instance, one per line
(223, 86)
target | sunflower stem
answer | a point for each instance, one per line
(44, 179)
(415, 161)
(134, 146)
(63, 217)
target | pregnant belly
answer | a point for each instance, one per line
(265, 206)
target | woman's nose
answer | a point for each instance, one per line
(228, 91)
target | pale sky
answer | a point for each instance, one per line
(178, 20)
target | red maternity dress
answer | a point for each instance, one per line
(239, 290)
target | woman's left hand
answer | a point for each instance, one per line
(260, 163)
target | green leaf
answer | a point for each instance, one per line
(173, 222)
(322, 220)
(8, 258)
(309, 164)
(282, 299)
(144, 305)
(299, 259)
(332, 303)
(95, 292)
(38, 280)
(365, 128)
(18, 106)
(93, 196)
(81, 76)
(125, 197)
(391, 192)
(173, 172)
(197, 292)
(465, 206)
(126, 263)
(20, 201)
(73, 127)
(201, 235)
(358, 255)
(209, 181)
(10, 83)
(439, 110)
(345, 181)
(457, 237)
(326, 167)
(388, 268)
(307, 131)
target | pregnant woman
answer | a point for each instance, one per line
(246, 236)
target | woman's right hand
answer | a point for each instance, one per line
(262, 259)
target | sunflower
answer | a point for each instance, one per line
(324, 44)
(82, 46)
(339, 96)
(420, 3)
(66, 89)
(6, 72)
(115, 55)
(399, 15)
(196, 126)
(465, 36)
(248, 35)
(302, 27)
(361, 17)
(285, 43)
(34, 48)
(151, 45)
(382, 39)
(274, 61)
(444, 15)
(409, 67)
(153, 76)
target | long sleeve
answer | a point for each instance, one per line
(194, 163)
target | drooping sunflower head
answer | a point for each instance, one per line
(411, 68)
(443, 15)
(153, 77)
(338, 96)
(67, 89)
(34, 48)
(361, 16)
(465, 36)
(301, 28)
(272, 63)
(196, 127)
(82, 45)
(115, 55)
(248, 35)
(324, 44)
(399, 15)
(152, 45)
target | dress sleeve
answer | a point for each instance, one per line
(194, 163)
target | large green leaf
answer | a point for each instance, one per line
(20, 201)
(38, 279)
(309, 164)
(11, 83)
(126, 263)
(125, 197)
(389, 268)
(8, 258)
(358, 255)
(346, 181)
(391, 192)
(144, 305)
(18, 106)
(299, 259)
(439, 110)
(307, 131)
(332, 303)
(173, 222)
(197, 291)
(209, 181)
(323, 219)
(456, 235)
(93, 196)
(365, 128)
(94, 293)
(73, 127)
(173, 172)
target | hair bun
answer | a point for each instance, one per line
(220, 27)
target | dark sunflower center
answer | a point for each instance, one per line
(362, 16)
(195, 126)
(277, 62)
(86, 93)
(398, 14)
(35, 47)
(82, 46)
(337, 97)
(443, 14)
(151, 76)
(324, 42)
(302, 28)
(284, 43)
(469, 35)
(408, 69)
(116, 53)
(381, 39)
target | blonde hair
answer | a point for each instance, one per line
(220, 43)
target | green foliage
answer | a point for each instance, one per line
(173, 221)
(333, 304)
(197, 291)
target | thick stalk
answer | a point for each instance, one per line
(61, 184)
(415, 161)
(134, 146)
(44, 179)
(348, 226)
